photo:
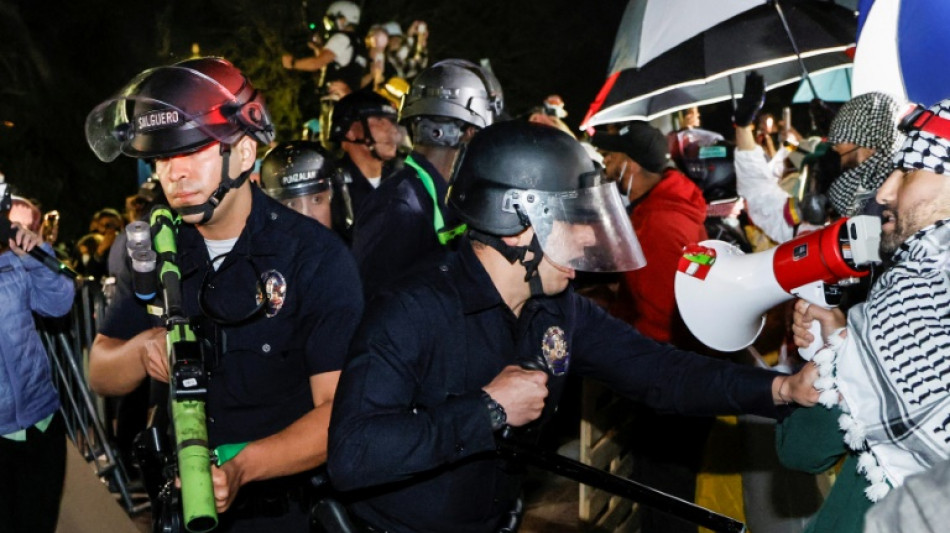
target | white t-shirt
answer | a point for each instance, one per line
(340, 45)
(217, 249)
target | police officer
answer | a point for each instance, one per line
(275, 292)
(406, 219)
(364, 125)
(299, 174)
(441, 365)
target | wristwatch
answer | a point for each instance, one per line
(495, 411)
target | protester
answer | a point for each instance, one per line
(885, 402)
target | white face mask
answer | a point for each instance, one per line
(86, 258)
(624, 194)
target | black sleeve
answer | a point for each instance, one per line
(661, 376)
(377, 434)
(334, 306)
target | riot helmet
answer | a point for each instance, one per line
(179, 109)
(455, 89)
(358, 106)
(514, 175)
(296, 168)
(348, 11)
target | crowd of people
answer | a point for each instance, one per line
(384, 298)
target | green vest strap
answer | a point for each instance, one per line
(438, 223)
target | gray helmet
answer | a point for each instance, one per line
(296, 168)
(179, 109)
(456, 89)
(515, 174)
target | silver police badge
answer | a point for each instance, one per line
(554, 349)
(275, 290)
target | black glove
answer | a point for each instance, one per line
(753, 97)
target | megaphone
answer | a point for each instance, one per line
(723, 294)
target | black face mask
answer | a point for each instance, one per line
(814, 204)
(827, 168)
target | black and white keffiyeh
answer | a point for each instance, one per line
(893, 369)
(868, 120)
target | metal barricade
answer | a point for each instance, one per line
(67, 341)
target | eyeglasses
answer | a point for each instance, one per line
(919, 118)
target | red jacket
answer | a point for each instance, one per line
(667, 219)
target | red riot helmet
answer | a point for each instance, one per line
(179, 109)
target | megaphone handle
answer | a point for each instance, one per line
(809, 351)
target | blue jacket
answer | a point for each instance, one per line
(27, 394)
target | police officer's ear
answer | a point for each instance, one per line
(245, 151)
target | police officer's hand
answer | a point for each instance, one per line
(798, 388)
(23, 240)
(520, 392)
(154, 354)
(226, 480)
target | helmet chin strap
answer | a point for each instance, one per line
(517, 253)
(206, 210)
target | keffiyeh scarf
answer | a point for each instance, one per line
(868, 120)
(893, 369)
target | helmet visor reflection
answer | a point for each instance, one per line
(122, 123)
(585, 229)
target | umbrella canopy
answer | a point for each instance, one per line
(651, 27)
(753, 40)
(904, 50)
(832, 86)
(718, 90)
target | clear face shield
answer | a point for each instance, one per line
(137, 125)
(585, 229)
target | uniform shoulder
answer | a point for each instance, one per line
(429, 282)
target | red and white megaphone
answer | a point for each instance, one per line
(723, 294)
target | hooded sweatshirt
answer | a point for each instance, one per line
(666, 219)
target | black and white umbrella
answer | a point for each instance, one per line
(782, 40)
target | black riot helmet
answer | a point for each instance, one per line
(296, 168)
(514, 175)
(179, 109)
(357, 107)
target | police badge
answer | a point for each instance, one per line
(554, 349)
(275, 289)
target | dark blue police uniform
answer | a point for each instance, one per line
(408, 419)
(394, 231)
(358, 185)
(260, 383)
